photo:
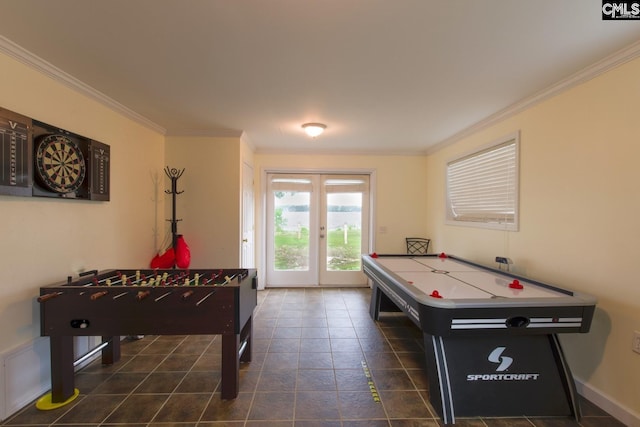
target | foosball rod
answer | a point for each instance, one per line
(243, 346)
(46, 297)
(91, 353)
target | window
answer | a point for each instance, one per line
(482, 187)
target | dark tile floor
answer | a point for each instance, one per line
(318, 360)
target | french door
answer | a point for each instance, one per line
(317, 229)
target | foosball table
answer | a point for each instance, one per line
(114, 303)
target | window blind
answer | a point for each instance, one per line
(290, 183)
(483, 187)
(347, 184)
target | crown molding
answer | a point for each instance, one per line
(612, 61)
(29, 59)
(337, 152)
(211, 133)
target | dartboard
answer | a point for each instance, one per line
(60, 164)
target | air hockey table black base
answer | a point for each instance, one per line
(472, 376)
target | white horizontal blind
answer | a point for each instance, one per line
(482, 188)
(290, 182)
(347, 184)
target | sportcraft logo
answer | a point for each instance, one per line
(496, 357)
(503, 362)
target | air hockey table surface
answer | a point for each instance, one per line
(439, 292)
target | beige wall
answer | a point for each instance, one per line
(210, 205)
(579, 228)
(398, 191)
(45, 240)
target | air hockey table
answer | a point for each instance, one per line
(490, 337)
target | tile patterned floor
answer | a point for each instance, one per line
(316, 356)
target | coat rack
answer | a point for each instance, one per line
(174, 174)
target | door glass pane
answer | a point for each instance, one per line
(291, 230)
(344, 231)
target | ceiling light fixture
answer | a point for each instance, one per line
(314, 129)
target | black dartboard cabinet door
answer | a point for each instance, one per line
(67, 165)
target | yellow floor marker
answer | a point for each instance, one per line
(45, 403)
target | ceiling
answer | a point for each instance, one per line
(385, 76)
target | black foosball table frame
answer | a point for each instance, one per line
(113, 303)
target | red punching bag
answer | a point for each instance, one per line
(183, 254)
(165, 260)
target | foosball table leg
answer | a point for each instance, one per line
(111, 353)
(230, 365)
(62, 369)
(236, 348)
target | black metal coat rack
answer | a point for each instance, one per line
(174, 174)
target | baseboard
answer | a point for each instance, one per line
(623, 414)
(25, 372)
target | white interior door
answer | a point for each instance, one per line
(248, 218)
(317, 229)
